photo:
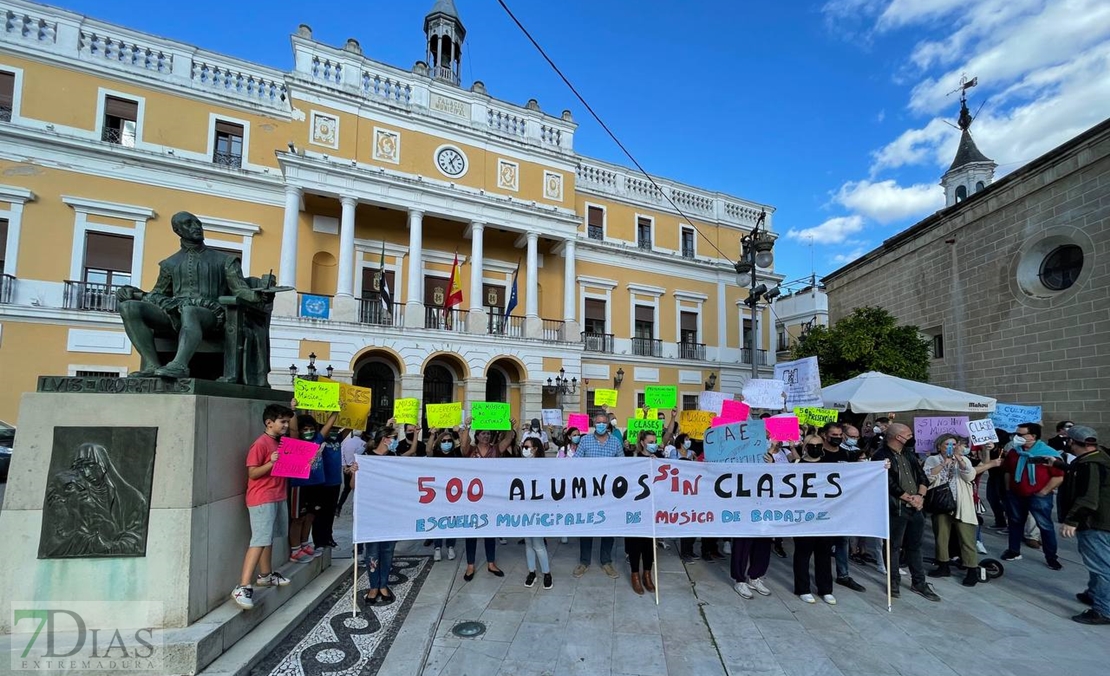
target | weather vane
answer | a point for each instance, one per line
(966, 118)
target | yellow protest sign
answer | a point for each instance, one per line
(695, 423)
(444, 416)
(605, 397)
(815, 416)
(315, 395)
(354, 406)
(652, 414)
(406, 411)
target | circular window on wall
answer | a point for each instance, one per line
(1061, 267)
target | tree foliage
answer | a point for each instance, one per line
(869, 339)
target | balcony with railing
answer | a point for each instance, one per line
(688, 252)
(119, 137)
(498, 324)
(229, 160)
(89, 296)
(445, 320)
(553, 330)
(5, 114)
(597, 342)
(692, 351)
(7, 288)
(373, 311)
(760, 356)
(647, 347)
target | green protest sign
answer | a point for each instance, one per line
(489, 415)
(316, 396)
(661, 396)
(637, 425)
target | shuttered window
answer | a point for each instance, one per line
(108, 252)
(688, 327)
(121, 108)
(7, 95)
(594, 316)
(645, 313)
(595, 221)
(228, 150)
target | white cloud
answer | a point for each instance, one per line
(832, 231)
(886, 201)
(850, 255)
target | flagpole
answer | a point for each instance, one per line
(890, 572)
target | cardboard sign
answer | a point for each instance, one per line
(552, 417)
(316, 395)
(661, 396)
(712, 401)
(695, 423)
(981, 432)
(734, 411)
(736, 442)
(928, 430)
(294, 458)
(605, 398)
(579, 421)
(406, 411)
(1009, 416)
(816, 416)
(637, 425)
(803, 382)
(354, 406)
(783, 428)
(490, 415)
(764, 393)
(444, 416)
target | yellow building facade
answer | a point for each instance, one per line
(319, 173)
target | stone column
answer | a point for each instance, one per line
(344, 306)
(414, 300)
(531, 399)
(570, 294)
(477, 322)
(287, 269)
(533, 326)
(412, 386)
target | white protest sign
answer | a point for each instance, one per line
(803, 383)
(712, 401)
(981, 432)
(552, 417)
(764, 393)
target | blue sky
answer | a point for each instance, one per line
(831, 111)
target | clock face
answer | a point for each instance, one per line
(451, 162)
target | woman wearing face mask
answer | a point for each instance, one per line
(817, 548)
(535, 548)
(570, 443)
(681, 449)
(485, 445)
(641, 551)
(951, 468)
(443, 445)
(378, 556)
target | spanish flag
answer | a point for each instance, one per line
(454, 291)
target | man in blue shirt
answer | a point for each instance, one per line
(600, 444)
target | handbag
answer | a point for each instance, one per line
(939, 500)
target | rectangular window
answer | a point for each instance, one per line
(688, 327)
(371, 287)
(747, 337)
(595, 223)
(594, 319)
(7, 95)
(493, 296)
(784, 340)
(592, 409)
(689, 402)
(687, 243)
(120, 121)
(643, 233)
(938, 346)
(96, 374)
(640, 400)
(107, 259)
(228, 151)
(645, 321)
(3, 242)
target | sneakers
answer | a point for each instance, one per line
(1085, 598)
(759, 587)
(807, 598)
(980, 547)
(1010, 555)
(882, 569)
(580, 570)
(829, 599)
(502, 541)
(610, 571)
(743, 590)
(1091, 616)
(850, 584)
(903, 571)
(925, 590)
(547, 583)
(437, 555)
(309, 549)
(301, 556)
(450, 553)
(1054, 564)
(317, 552)
(779, 551)
(242, 597)
(726, 547)
(274, 579)
(531, 579)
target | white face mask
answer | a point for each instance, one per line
(526, 451)
(877, 430)
(687, 444)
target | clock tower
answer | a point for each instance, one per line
(446, 34)
(971, 170)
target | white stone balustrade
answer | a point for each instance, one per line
(238, 82)
(27, 27)
(96, 45)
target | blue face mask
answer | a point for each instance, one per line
(966, 451)
(601, 428)
(949, 448)
(574, 439)
(393, 444)
(652, 447)
(446, 446)
(687, 444)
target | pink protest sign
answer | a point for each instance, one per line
(783, 428)
(581, 421)
(734, 411)
(294, 458)
(721, 421)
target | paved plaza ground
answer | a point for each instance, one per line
(1018, 625)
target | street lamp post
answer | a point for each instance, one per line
(757, 252)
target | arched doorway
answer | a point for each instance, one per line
(380, 375)
(497, 385)
(504, 377)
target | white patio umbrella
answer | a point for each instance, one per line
(875, 392)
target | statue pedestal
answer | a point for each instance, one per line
(188, 504)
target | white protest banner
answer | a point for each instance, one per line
(764, 393)
(408, 499)
(698, 499)
(927, 430)
(712, 401)
(552, 417)
(736, 442)
(1009, 416)
(803, 382)
(981, 432)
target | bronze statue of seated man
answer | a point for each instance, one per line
(184, 301)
